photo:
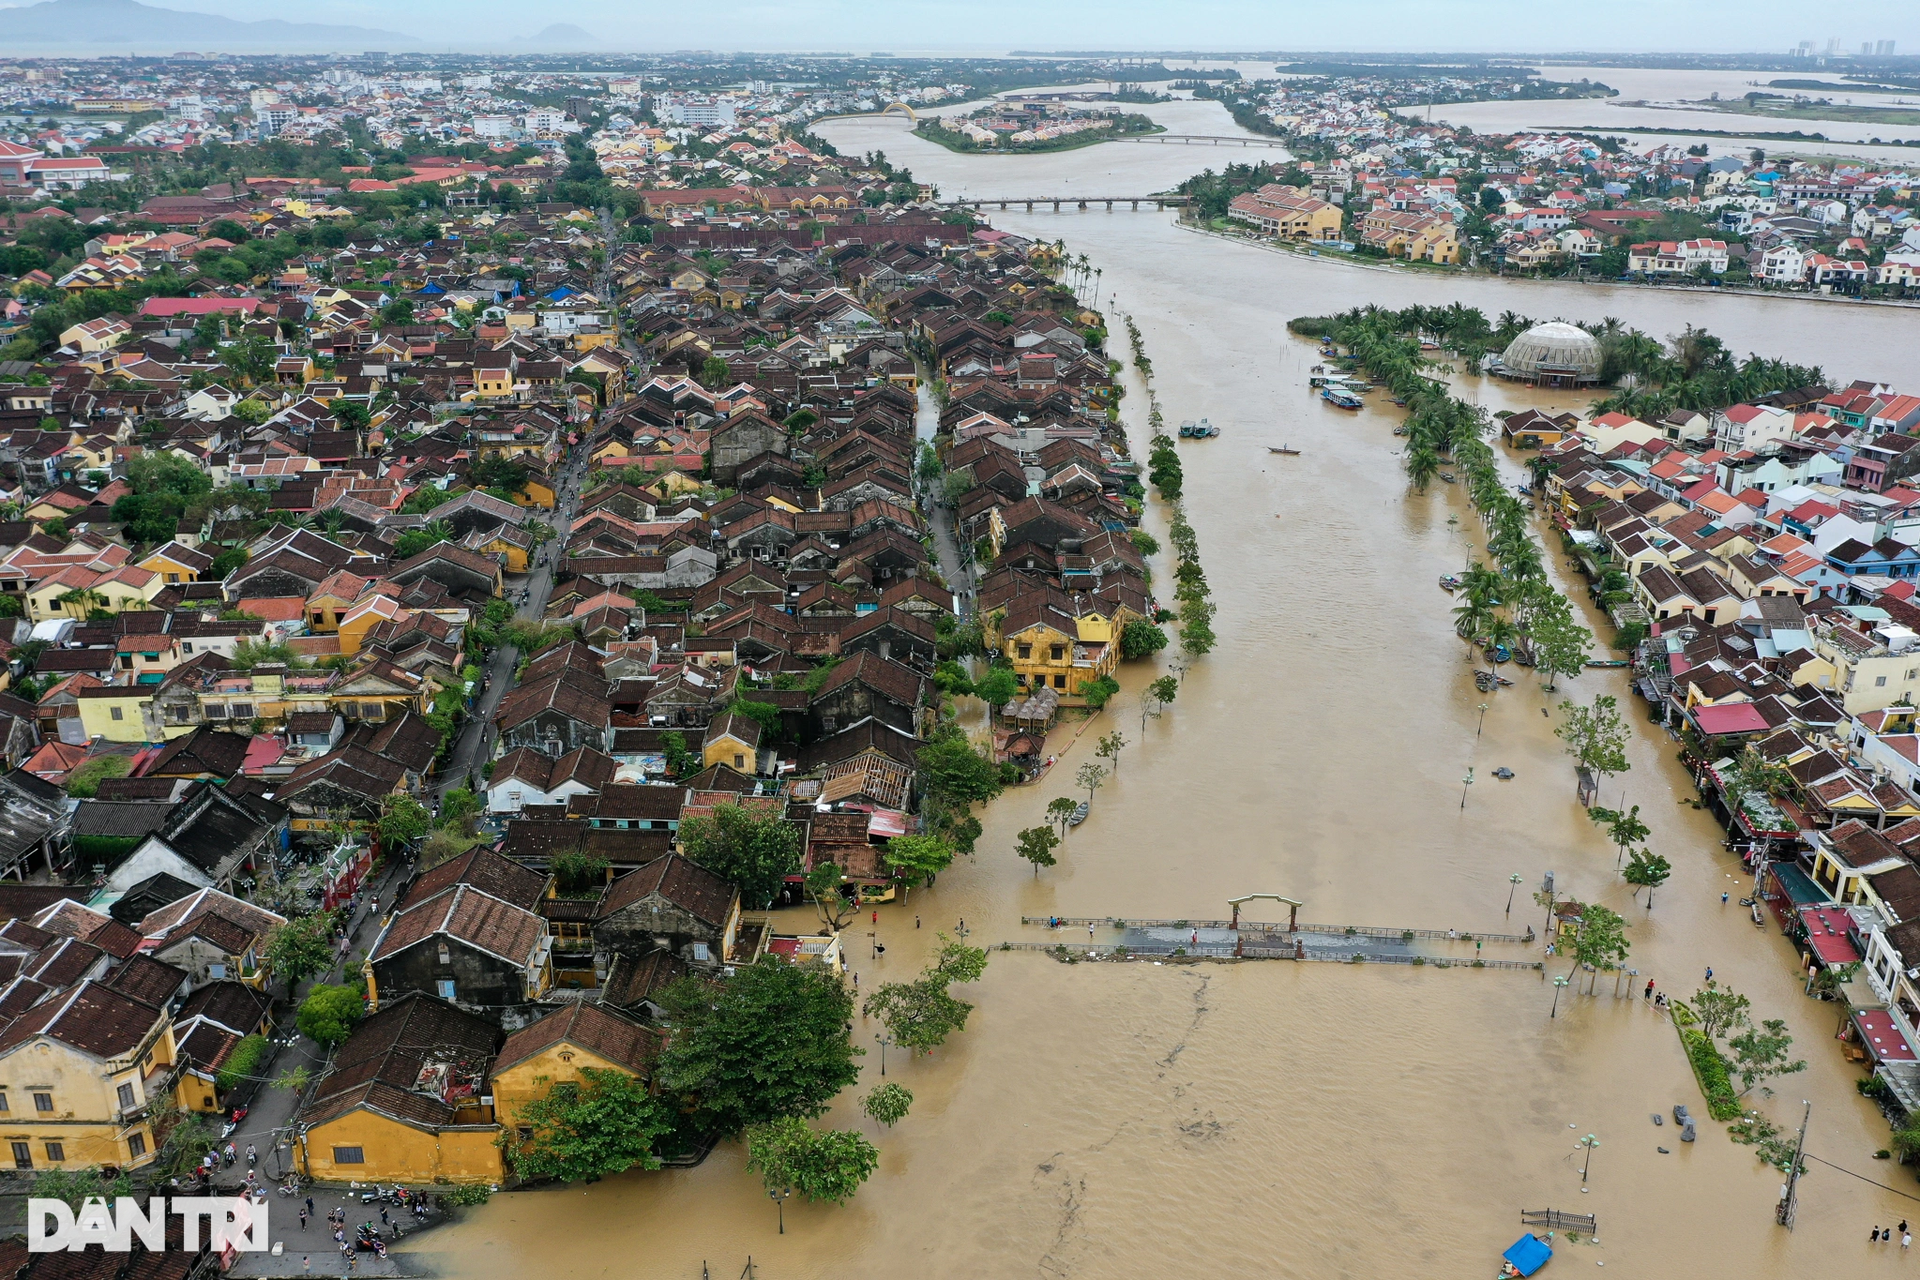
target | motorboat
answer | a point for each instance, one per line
(1341, 399)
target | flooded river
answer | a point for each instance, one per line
(1318, 1120)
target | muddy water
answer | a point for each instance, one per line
(1318, 1120)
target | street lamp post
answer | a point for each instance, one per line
(884, 1042)
(1483, 720)
(1464, 784)
(779, 1199)
(1559, 985)
(1589, 1142)
(1513, 883)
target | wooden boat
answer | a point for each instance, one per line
(1341, 399)
(1186, 431)
(1500, 653)
(1483, 681)
(1450, 583)
(1080, 813)
(1448, 476)
(1283, 449)
(1609, 662)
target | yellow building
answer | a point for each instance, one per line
(75, 592)
(1049, 647)
(77, 1072)
(176, 563)
(116, 712)
(409, 1100)
(556, 1049)
(536, 492)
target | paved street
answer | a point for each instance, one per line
(474, 748)
(946, 543)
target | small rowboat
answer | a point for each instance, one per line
(1609, 662)
(1448, 476)
(1450, 583)
(1080, 813)
(1283, 449)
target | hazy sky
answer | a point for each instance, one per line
(901, 26)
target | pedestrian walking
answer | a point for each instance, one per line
(1709, 973)
(1903, 1226)
(253, 1157)
(1648, 994)
(303, 1219)
(1723, 897)
(876, 917)
(1089, 933)
(1906, 1240)
(916, 922)
(309, 1204)
(306, 1262)
(385, 1221)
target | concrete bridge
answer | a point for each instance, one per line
(1173, 201)
(1204, 140)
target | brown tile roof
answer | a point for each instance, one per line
(91, 1018)
(632, 979)
(485, 870)
(703, 894)
(478, 919)
(591, 1027)
(146, 979)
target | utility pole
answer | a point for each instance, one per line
(1789, 1194)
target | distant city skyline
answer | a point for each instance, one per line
(994, 26)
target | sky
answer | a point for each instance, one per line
(982, 26)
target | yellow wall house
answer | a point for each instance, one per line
(554, 1051)
(536, 492)
(116, 712)
(76, 1074)
(409, 1100)
(1051, 647)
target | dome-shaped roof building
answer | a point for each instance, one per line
(1555, 354)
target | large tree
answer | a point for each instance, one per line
(755, 850)
(770, 1042)
(915, 859)
(301, 948)
(582, 1131)
(820, 1165)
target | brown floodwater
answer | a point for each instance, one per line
(1315, 1120)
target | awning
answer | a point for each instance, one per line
(1827, 934)
(1881, 1036)
(886, 823)
(1528, 1254)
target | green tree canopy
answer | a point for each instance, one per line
(770, 1042)
(917, 859)
(604, 1123)
(819, 1164)
(888, 1103)
(1141, 639)
(329, 1014)
(301, 948)
(755, 850)
(1036, 845)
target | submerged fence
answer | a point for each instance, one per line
(1270, 927)
(1094, 952)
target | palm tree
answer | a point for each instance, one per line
(81, 601)
(1423, 464)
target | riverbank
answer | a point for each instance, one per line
(1393, 266)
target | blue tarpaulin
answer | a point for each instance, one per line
(1528, 1254)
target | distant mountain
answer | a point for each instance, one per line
(100, 25)
(564, 37)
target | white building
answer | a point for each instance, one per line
(493, 126)
(1782, 264)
